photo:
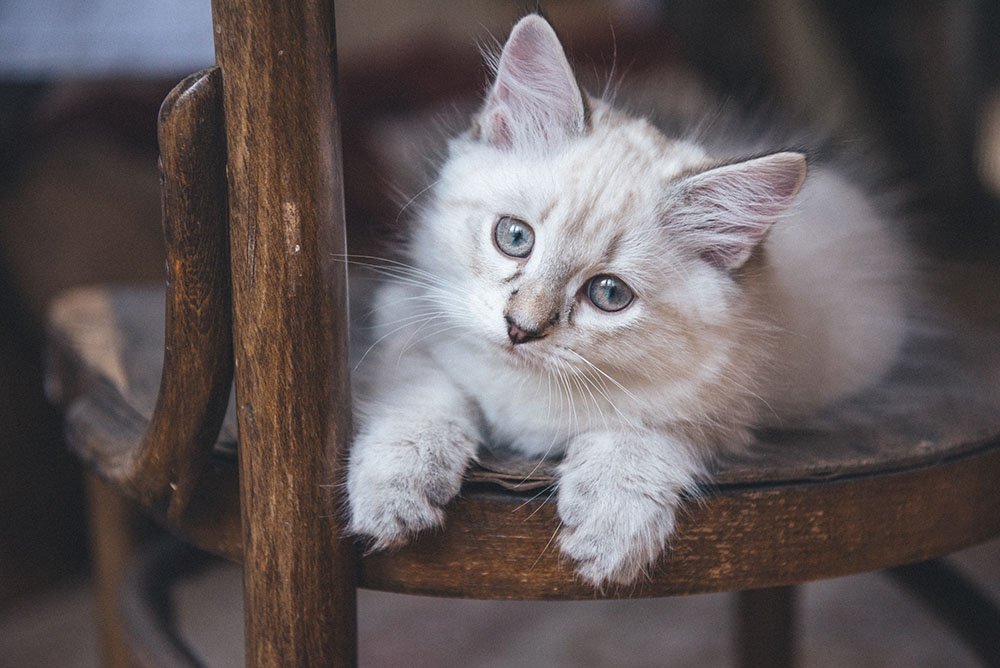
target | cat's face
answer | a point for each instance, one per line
(565, 234)
(562, 258)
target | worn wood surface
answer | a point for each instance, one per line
(101, 421)
(737, 538)
(871, 507)
(196, 356)
(290, 327)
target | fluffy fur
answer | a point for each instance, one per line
(760, 293)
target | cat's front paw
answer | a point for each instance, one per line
(397, 487)
(614, 536)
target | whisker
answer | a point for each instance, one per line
(552, 489)
(430, 335)
(555, 435)
(378, 341)
(409, 341)
(541, 491)
(602, 373)
(410, 201)
(549, 543)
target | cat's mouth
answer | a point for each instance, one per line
(521, 353)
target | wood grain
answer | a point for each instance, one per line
(212, 522)
(290, 327)
(196, 353)
(781, 525)
(499, 546)
(198, 356)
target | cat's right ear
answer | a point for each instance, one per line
(726, 212)
(535, 100)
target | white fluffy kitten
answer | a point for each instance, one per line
(583, 286)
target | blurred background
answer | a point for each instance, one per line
(80, 85)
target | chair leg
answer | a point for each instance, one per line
(113, 542)
(765, 628)
(147, 613)
(957, 601)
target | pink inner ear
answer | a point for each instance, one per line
(727, 211)
(526, 44)
(500, 134)
(535, 98)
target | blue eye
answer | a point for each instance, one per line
(514, 237)
(609, 293)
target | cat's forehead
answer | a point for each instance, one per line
(610, 182)
(616, 148)
(628, 146)
(619, 164)
(599, 194)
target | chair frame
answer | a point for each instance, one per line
(254, 222)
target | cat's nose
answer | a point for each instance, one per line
(520, 334)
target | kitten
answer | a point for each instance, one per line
(581, 285)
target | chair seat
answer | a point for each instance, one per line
(904, 473)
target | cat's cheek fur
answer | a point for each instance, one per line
(619, 494)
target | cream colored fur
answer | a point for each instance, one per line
(788, 306)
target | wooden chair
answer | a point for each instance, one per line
(253, 217)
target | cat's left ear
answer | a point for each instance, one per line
(535, 100)
(726, 212)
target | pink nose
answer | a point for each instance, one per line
(518, 334)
